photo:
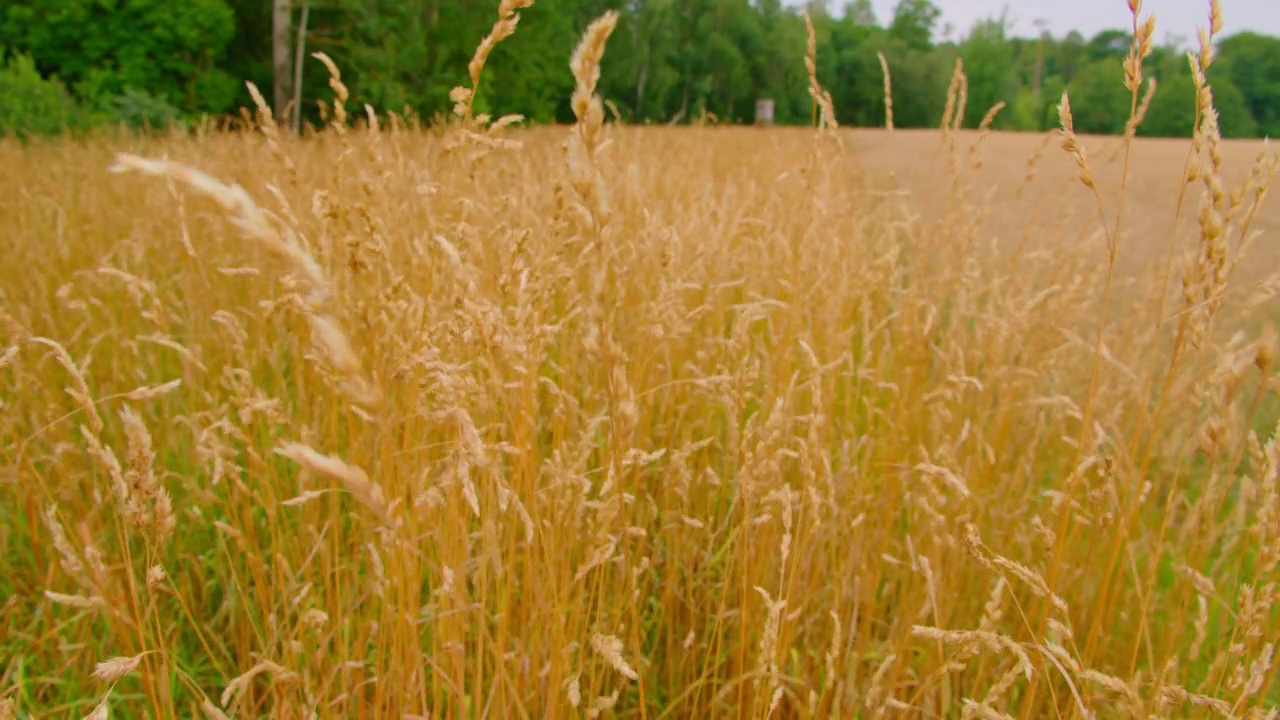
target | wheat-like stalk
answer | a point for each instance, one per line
(340, 91)
(504, 27)
(888, 92)
(584, 143)
(826, 114)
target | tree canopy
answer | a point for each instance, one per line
(68, 63)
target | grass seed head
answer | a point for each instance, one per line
(109, 671)
(610, 648)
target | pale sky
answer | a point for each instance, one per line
(1173, 17)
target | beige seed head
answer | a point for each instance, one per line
(69, 559)
(573, 690)
(80, 392)
(1258, 670)
(585, 65)
(111, 670)
(265, 118)
(990, 117)
(334, 340)
(339, 89)
(315, 618)
(1146, 33)
(8, 356)
(1207, 53)
(610, 648)
(877, 693)
(1064, 118)
(603, 703)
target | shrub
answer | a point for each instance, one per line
(140, 110)
(31, 104)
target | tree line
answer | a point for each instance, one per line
(74, 64)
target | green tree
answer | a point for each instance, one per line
(100, 48)
(1029, 112)
(989, 65)
(920, 80)
(861, 12)
(1066, 56)
(646, 79)
(247, 56)
(1252, 61)
(31, 104)
(1108, 45)
(780, 68)
(1173, 109)
(914, 22)
(402, 53)
(1100, 102)
(858, 81)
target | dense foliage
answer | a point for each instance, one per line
(147, 61)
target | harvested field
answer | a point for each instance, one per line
(1052, 200)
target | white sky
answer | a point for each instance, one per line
(1173, 17)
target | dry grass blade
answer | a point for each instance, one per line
(151, 392)
(211, 711)
(354, 479)
(241, 681)
(76, 601)
(99, 712)
(245, 213)
(251, 220)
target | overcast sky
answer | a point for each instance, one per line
(1173, 17)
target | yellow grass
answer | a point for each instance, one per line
(632, 422)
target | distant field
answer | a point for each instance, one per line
(691, 423)
(917, 160)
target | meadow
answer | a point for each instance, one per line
(608, 421)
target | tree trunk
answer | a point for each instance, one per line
(281, 67)
(641, 81)
(298, 57)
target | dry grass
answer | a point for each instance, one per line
(630, 422)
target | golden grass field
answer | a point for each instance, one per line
(698, 422)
